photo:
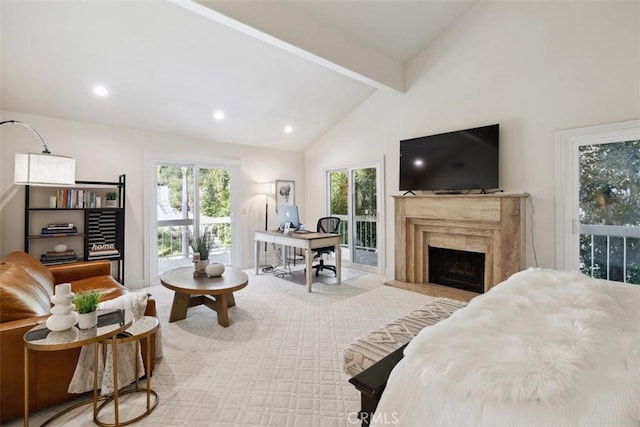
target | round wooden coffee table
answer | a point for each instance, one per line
(214, 292)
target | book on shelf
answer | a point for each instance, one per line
(64, 253)
(64, 227)
(72, 198)
(58, 257)
(105, 250)
(64, 231)
(95, 257)
(58, 261)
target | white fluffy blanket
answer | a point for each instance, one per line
(82, 380)
(534, 338)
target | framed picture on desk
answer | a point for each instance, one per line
(285, 193)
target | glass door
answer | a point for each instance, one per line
(364, 216)
(192, 201)
(354, 197)
(598, 201)
(609, 210)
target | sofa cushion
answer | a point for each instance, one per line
(108, 285)
(21, 296)
(35, 268)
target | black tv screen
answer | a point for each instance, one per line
(452, 161)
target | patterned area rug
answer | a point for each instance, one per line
(279, 363)
(327, 277)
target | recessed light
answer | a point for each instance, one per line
(100, 91)
(218, 115)
(288, 129)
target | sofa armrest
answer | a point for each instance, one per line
(65, 273)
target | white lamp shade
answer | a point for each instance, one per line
(266, 188)
(44, 169)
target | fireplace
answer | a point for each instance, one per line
(456, 268)
(489, 226)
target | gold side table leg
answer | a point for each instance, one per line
(114, 348)
(26, 387)
(95, 380)
(148, 373)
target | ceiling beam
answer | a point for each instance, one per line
(290, 29)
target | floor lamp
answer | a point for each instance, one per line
(42, 169)
(266, 188)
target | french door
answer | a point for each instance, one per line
(598, 201)
(191, 201)
(354, 196)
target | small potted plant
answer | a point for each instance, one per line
(86, 303)
(112, 199)
(200, 249)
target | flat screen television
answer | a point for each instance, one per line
(450, 162)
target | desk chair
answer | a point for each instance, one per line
(328, 224)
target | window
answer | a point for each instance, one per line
(598, 201)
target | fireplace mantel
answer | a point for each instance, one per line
(493, 224)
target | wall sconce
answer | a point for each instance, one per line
(42, 169)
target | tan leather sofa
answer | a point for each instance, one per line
(26, 288)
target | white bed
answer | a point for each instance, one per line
(543, 348)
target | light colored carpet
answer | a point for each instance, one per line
(279, 363)
(325, 277)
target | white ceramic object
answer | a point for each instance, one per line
(63, 317)
(60, 247)
(87, 320)
(215, 269)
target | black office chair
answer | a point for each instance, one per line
(328, 224)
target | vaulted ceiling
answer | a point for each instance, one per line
(169, 66)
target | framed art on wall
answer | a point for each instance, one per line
(285, 193)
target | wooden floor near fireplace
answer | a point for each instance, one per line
(434, 290)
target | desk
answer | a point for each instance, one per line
(306, 241)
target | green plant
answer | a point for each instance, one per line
(87, 301)
(112, 195)
(199, 245)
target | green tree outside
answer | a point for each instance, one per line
(610, 195)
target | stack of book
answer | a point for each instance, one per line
(49, 258)
(107, 250)
(59, 229)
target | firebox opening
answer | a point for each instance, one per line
(458, 269)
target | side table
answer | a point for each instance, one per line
(39, 338)
(142, 328)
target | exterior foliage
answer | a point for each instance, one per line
(610, 195)
(215, 202)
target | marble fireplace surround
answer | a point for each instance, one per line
(493, 224)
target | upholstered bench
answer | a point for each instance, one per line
(371, 348)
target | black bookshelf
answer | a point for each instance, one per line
(98, 227)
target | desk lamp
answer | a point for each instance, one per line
(42, 169)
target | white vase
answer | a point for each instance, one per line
(87, 320)
(62, 315)
(214, 270)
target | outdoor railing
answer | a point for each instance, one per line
(610, 252)
(366, 231)
(217, 232)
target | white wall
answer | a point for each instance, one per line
(533, 67)
(103, 152)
